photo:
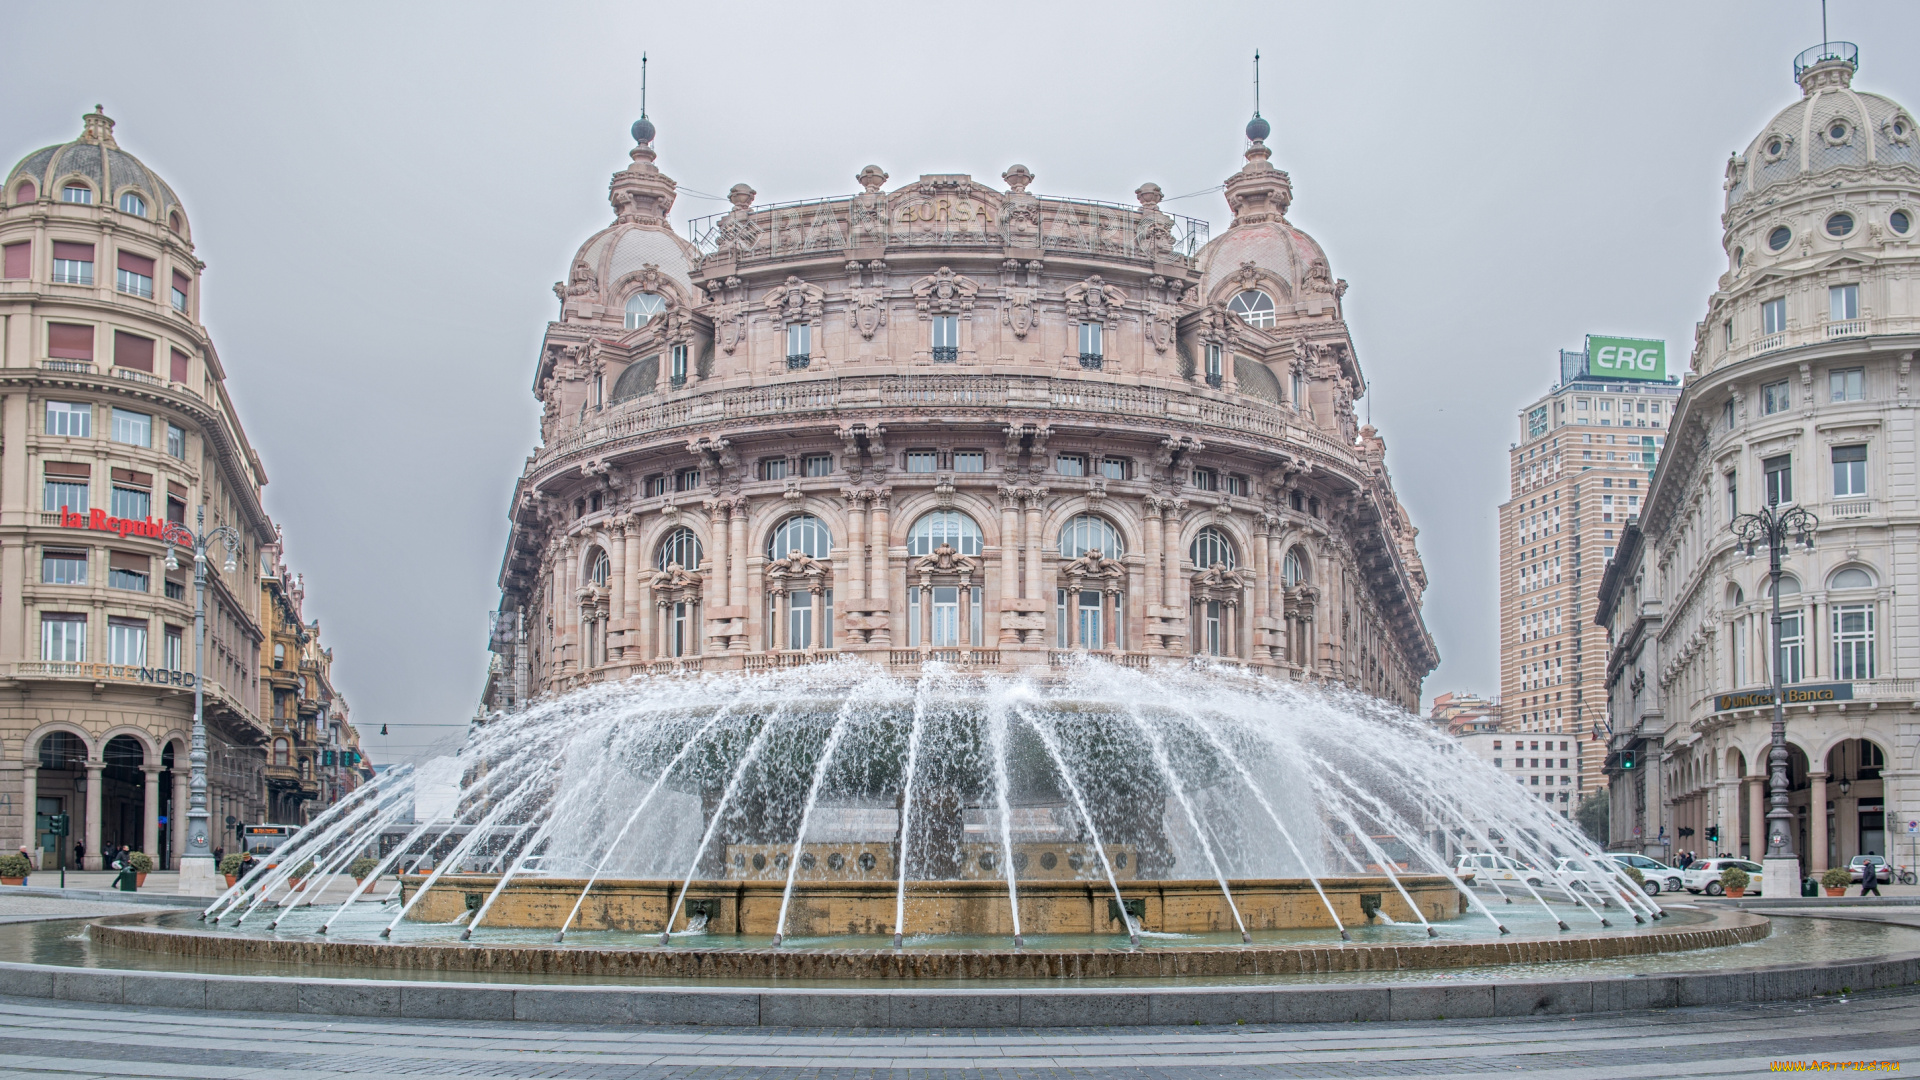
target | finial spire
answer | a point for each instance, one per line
(643, 127)
(1256, 79)
(643, 86)
(1257, 128)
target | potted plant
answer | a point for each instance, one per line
(230, 869)
(1633, 873)
(361, 867)
(299, 874)
(1836, 880)
(14, 869)
(1734, 880)
(142, 864)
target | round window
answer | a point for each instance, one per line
(1899, 222)
(1837, 132)
(1839, 224)
(1779, 237)
(1775, 148)
(1899, 127)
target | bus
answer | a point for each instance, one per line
(260, 841)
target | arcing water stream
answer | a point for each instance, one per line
(802, 775)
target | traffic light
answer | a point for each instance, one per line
(1713, 834)
(59, 824)
(1626, 761)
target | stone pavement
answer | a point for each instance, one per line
(41, 1040)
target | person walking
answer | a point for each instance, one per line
(127, 881)
(1870, 878)
(79, 854)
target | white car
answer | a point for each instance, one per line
(1659, 875)
(1704, 876)
(1591, 875)
(1486, 867)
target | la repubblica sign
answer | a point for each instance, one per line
(1809, 694)
(97, 520)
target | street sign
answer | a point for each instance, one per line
(1639, 359)
(1913, 828)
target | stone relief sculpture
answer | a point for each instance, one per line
(867, 212)
(945, 293)
(1019, 211)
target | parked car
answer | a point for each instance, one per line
(1879, 862)
(1487, 867)
(1658, 874)
(1582, 873)
(1704, 876)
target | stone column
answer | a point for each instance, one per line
(737, 556)
(1817, 823)
(95, 770)
(1111, 616)
(878, 537)
(926, 614)
(1009, 568)
(29, 809)
(819, 617)
(617, 589)
(177, 812)
(1757, 818)
(856, 545)
(569, 611)
(1173, 591)
(1150, 530)
(1032, 543)
(150, 815)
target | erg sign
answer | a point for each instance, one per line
(1626, 358)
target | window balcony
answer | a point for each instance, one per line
(946, 354)
(1092, 361)
(798, 361)
(71, 367)
(140, 377)
(1770, 343)
(1214, 380)
(1850, 508)
(1844, 328)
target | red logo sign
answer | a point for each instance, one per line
(98, 521)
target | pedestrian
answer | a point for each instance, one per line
(128, 881)
(79, 854)
(1869, 878)
(218, 854)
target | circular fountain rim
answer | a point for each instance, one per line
(1723, 927)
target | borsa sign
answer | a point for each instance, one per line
(98, 521)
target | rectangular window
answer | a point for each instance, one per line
(1793, 647)
(1064, 628)
(1537, 422)
(946, 339)
(970, 461)
(127, 570)
(176, 590)
(173, 649)
(72, 263)
(1606, 405)
(1733, 495)
(1071, 465)
(69, 341)
(799, 346)
(63, 568)
(17, 261)
(63, 638)
(177, 441)
(70, 419)
(1213, 365)
(1297, 391)
(658, 484)
(1773, 316)
(1206, 480)
(131, 503)
(677, 372)
(1843, 302)
(132, 428)
(77, 193)
(182, 284)
(127, 642)
(687, 480)
(1238, 485)
(773, 468)
(1727, 332)
(818, 464)
(177, 366)
(1853, 641)
(65, 494)
(1093, 350)
(1849, 471)
(132, 351)
(1775, 398)
(1847, 384)
(1726, 414)
(923, 461)
(134, 275)
(1779, 472)
(1113, 468)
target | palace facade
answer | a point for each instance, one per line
(954, 422)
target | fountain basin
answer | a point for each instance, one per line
(971, 908)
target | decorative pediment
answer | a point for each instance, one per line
(1094, 299)
(675, 577)
(945, 560)
(795, 300)
(1095, 567)
(944, 292)
(797, 569)
(1217, 582)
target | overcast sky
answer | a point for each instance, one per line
(384, 193)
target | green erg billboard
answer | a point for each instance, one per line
(1626, 358)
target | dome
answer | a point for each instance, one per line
(626, 248)
(1276, 247)
(1832, 127)
(97, 161)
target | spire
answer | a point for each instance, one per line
(643, 127)
(641, 192)
(1258, 192)
(1257, 128)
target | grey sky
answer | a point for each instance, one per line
(384, 193)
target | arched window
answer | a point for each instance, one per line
(132, 203)
(1851, 578)
(638, 379)
(602, 567)
(681, 548)
(62, 750)
(1211, 548)
(944, 527)
(1088, 532)
(77, 193)
(1789, 585)
(26, 192)
(173, 221)
(1254, 306)
(642, 307)
(1293, 568)
(803, 533)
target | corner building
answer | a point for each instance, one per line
(954, 422)
(1800, 393)
(114, 419)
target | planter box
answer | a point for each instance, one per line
(140, 879)
(232, 879)
(13, 881)
(1736, 892)
(1831, 891)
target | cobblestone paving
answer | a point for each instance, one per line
(44, 1039)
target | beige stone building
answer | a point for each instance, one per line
(1800, 394)
(1577, 475)
(313, 758)
(114, 420)
(958, 422)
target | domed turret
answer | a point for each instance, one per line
(93, 169)
(1832, 127)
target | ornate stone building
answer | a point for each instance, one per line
(1800, 393)
(956, 422)
(314, 757)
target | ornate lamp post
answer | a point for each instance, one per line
(198, 875)
(1775, 527)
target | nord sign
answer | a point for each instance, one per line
(1626, 358)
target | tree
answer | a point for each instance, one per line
(1592, 814)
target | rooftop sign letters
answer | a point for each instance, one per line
(98, 521)
(1809, 694)
(1626, 358)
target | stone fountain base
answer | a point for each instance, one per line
(829, 908)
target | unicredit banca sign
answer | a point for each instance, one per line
(97, 520)
(1626, 358)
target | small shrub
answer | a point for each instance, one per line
(362, 867)
(1734, 878)
(1634, 874)
(302, 870)
(230, 865)
(15, 866)
(1836, 877)
(141, 862)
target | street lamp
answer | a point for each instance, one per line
(1774, 527)
(197, 873)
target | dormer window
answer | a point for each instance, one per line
(132, 203)
(77, 193)
(1254, 306)
(642, 307)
